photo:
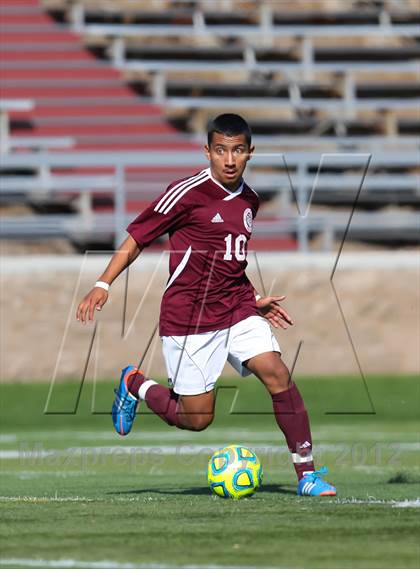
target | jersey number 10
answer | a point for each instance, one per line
(240, 251)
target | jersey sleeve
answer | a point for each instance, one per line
(163, 215)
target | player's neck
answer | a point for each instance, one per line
(228, 187)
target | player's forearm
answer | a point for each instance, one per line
(122, 258)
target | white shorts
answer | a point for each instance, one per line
(195, 362)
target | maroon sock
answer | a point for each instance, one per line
(160, 399)
(133, 383)
(164, 402)
(292, 418)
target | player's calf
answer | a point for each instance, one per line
(194, 422)
(193, 414)
(196, 412)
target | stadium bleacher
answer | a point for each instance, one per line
(75, 101)
(119, 80)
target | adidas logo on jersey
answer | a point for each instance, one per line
(217, 218)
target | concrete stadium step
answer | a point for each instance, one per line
(12, 6)
(61, 74)
(47, 55)
(92, 101)
(70, 84)
(20, 3)
(126, 146)
(112, 119)
(23, 18)
(60, 92)
(11, 37)
(247, 89)
(137, 14)
(18, 47)
(117, 140)
(129, 108)
(31, 29)
(162, 174)
(53, 64)
(9, 8)
(97, 130)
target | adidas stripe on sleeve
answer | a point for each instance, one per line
(166, 213)
(174, 194)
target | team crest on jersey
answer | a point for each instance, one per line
(248, 219)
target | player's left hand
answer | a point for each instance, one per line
(270, 308)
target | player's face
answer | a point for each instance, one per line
(228, 156)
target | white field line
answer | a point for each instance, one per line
(407, 504)
(45, 499)
(31, 474)
(371, 500)
(74, 564)
(210, 435)
(178, 450)
(74, 499)
(8, 438)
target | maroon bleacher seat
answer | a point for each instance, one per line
(79, 96)
(62, 94)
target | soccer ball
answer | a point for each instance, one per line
(234, 472)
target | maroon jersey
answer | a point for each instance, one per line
(209, 228)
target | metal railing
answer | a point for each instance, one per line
(8, 142)
(294, 181)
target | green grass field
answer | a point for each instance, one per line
(73, 490)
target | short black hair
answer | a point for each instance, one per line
(229, 124)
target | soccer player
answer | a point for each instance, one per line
(210, 312)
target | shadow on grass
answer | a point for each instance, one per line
(202, 491)
(404, 478)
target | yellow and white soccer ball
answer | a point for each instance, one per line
(234, 472)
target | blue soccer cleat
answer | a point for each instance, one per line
(125, 404)
(313, 485)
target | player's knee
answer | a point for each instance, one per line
(278, 379)
(200, 422)
(284, 376)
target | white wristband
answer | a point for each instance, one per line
(102, 284)
(257, 297)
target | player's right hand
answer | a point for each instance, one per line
(94, 300)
